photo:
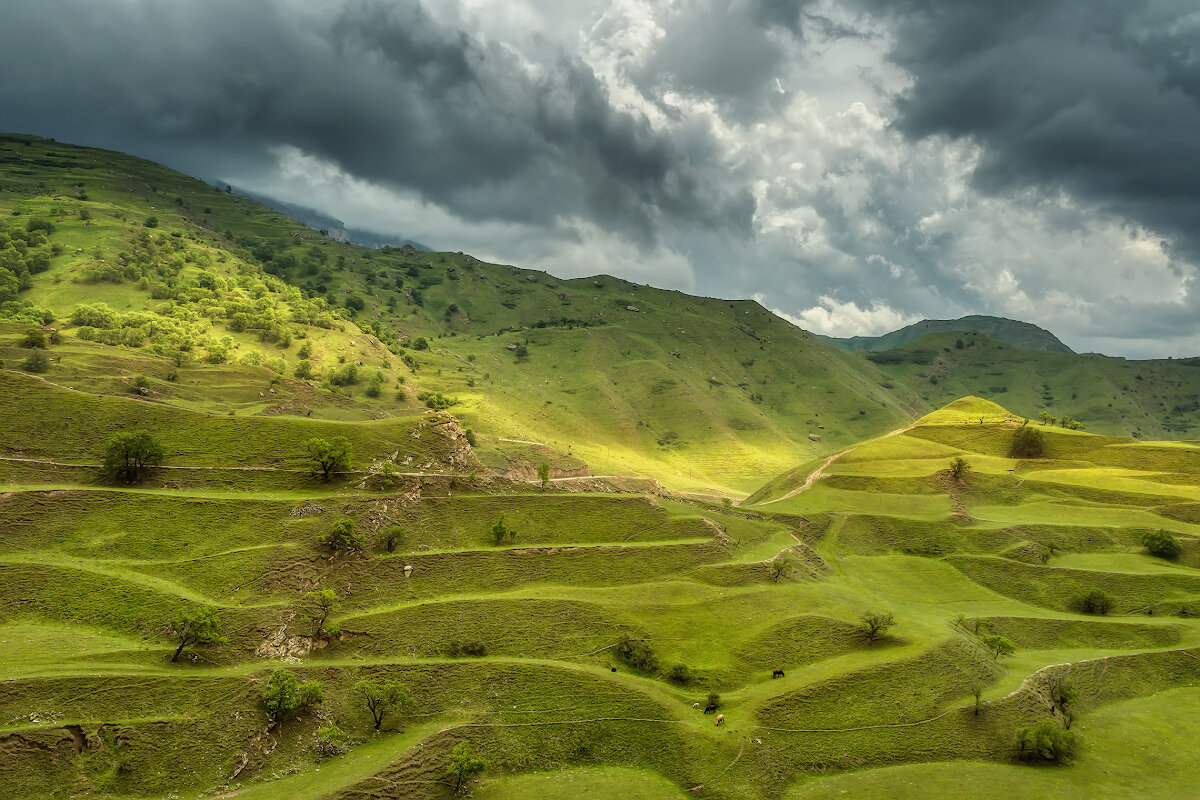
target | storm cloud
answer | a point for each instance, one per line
(852, 164)
(379, 88)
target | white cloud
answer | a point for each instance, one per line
(844, 319)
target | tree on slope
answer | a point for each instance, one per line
(382, 699)
(875, 624)
(330, 455)
(463, 765)
(284, 695)
(998, 646)
(130, 454)
(195, 626)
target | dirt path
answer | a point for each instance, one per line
(812, 478)
(819, 472)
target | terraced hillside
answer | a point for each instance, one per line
(570, 645)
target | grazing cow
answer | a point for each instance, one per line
(720, 719)
(695, 705)
(708, 709)
(777, 674)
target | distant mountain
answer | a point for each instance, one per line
(333, 227)
(1009, 331)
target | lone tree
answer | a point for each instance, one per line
(130, 454)
(500, 530)
(195, 626)
(1161, 543)
(998, 645)
(543, 470)
(1027, 442)
(959, 468)
(462, 766)
(382, 699)
(343, 537)
(323, 603)
(874, 624)
(330, 455)
(284, 695)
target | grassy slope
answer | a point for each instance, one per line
(738, 398)
(1146, 399)
(91, 573)
(89, 576)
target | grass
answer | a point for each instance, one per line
(1136, 749)
(512, 645)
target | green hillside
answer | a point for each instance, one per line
(515, 644)
(629, 379)
(932, 593)
(1153, 399)
(1007, 331)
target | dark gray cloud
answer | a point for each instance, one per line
(380, 88)
(1100, 99)
(852, 162)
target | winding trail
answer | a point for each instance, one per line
(819, 472)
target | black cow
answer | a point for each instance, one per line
(708, 709)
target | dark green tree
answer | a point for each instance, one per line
(1028, 442)
(199, 625)
(332, 455)
(874, 624)
(284, 695)
(382, 699)
(1161, 543)
(130, 454)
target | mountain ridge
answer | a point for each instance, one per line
(1013, 332)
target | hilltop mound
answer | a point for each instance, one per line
(968, 410)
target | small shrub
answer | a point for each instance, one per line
(471, 647)
(343, 537)
(1161, 543)
(1047, 742)
(1096, 601)
(873, 624)
(680, 674)
(331, 741)
(37, 361)
(1028, 442)
(636, 653)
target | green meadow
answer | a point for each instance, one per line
(880, 593)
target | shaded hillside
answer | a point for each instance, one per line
(1009, 331)
(1154, 399)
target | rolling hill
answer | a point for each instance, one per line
(1007, 331)
(929, 592)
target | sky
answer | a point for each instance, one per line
(853, 165)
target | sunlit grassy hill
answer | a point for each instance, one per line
(1152, 399)
(145, 272)
(514, 643)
